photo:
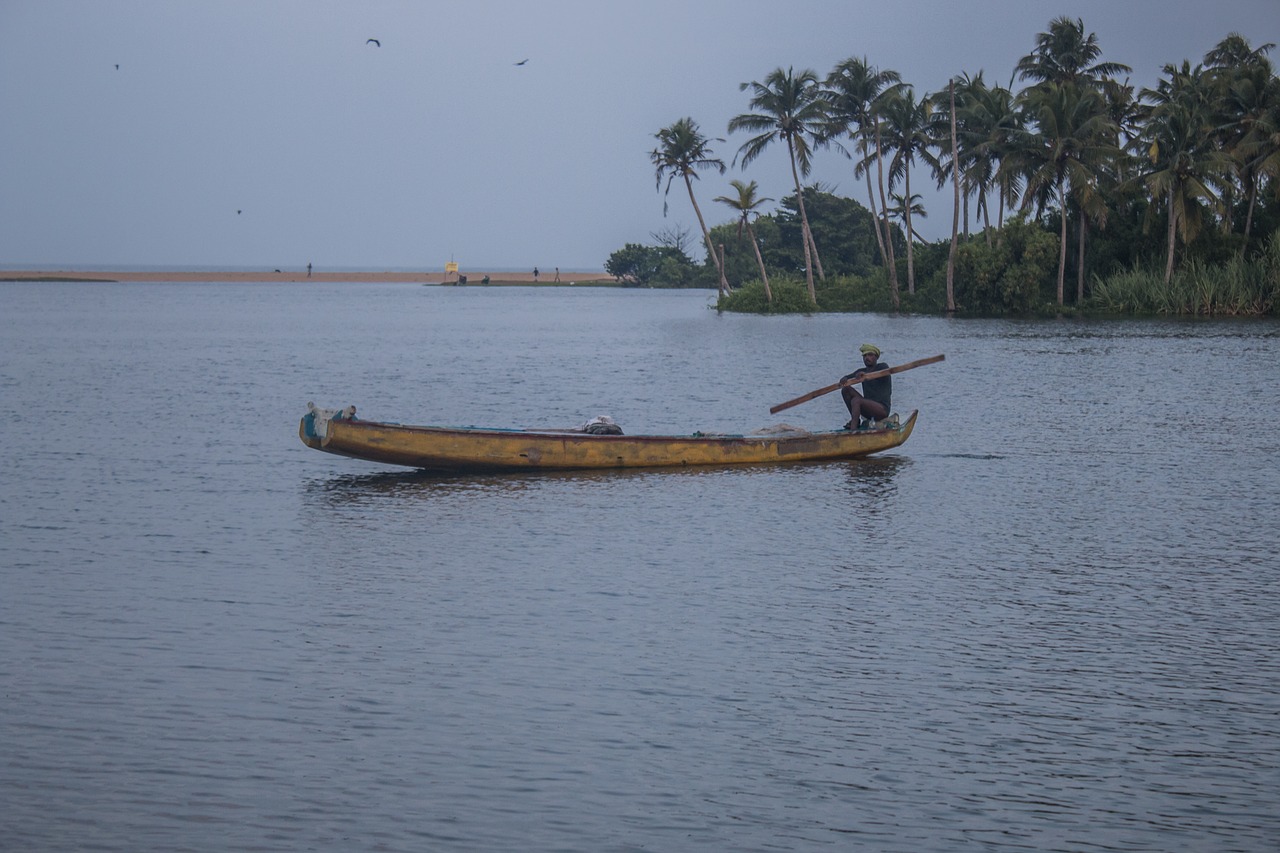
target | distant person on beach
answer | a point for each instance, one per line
(535, 273)
(557, 273)
(873, 402)
(308, 269)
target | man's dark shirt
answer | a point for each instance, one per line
(880, 390)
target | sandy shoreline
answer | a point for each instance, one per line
(473, 278)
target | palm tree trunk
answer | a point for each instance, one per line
(888, 231)
(706, 235)
(1248, 219)
(875, 219)
(986, 218)
(1084, 228)
(1000, 218)
(955, 208)
(804, 227)
(764, 276)
(1062, 239)
(911, 258)
(817, 261)
(1173, 224)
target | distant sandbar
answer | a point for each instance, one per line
(472, 278)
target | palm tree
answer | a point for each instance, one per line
(746, 204)
(1077, 136)
(790, 108)
(1261, 148)
(1234, 51)
(884, 204)
(1064, 156)
(962, 109)
(682, 150)
(852, 90)
(1124, 108)
(986, 119)
(1246, 94)
(907, 125)
(899, 210)
(1066, 55)
(955, 199)
(1184, 160)
(1010, 175)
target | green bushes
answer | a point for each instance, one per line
(1007, 276)
(855, 293)
(790, 296)
(1016, 275)
(838, 294)
(636, 265)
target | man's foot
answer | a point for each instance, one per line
(849, 425)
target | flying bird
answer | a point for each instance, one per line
(522, 62)
(373, 42)
(117, 66)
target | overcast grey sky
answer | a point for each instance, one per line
(271, 134)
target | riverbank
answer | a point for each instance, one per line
(253, 276)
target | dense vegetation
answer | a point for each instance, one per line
(1083, 193)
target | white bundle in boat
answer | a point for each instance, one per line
(601, 425)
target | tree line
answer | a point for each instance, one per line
(1184, 174)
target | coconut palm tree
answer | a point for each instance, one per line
(1065, 54)
(986, 119)
(1246, 93)
(746, 203)
(1070, 79)
(964, 161)
(789, 107)
(1073, 140)
(1234, 51)
(1010, 176)
(1124, 108)
(683, 150)
(898, 210)
(884, 201)
(955, 197)
(1184, 161)
(907, 124)
(1261, 148)
(852, 90)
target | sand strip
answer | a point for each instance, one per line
(473, 278)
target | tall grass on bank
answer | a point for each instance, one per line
(1239, 287)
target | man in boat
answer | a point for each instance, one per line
(873, 403)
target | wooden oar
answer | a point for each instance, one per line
(804, 398)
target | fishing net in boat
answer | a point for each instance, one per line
(601, 425)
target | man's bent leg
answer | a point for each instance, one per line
(872, 409)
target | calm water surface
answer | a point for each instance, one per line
(1048, 622)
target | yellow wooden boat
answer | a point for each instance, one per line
(476, 449)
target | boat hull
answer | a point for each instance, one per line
(473, 449)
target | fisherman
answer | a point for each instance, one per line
(873, 403)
